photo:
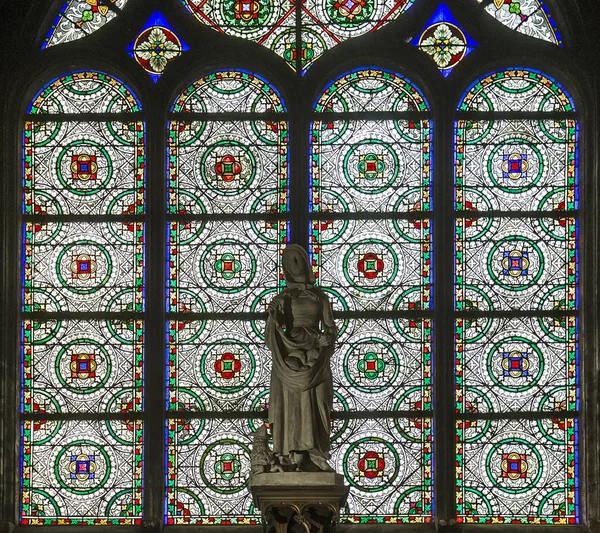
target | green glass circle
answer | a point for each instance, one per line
(364, 387)
(494, 449)
(369, 243)
(380, 164)
(500, 148)
(100, 185)
(215, 347)
(207, 161)
(65, 350)
(210, 448)
(495, 350)
(82, 491)
(103, 251)
(503, 243)
(379, 443)
(207, 278)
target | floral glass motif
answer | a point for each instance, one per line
(227, 210)
(156, 46)
(79, 18)
(517, 471)
(272, 23)
(75, 470)
(444, 40)
(530, 17)
(380, 166)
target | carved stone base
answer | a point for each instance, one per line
(299, 502)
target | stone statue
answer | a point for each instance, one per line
(301, 335)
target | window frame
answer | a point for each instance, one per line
(39, 67)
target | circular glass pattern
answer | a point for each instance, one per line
(371, 366)
(371, 464)
(514, 465)
(225, 466)
(228, 167)
(82, 467)
(227, 366)
(370, 265)
(84, 167)
(155, 47)
(227, 266)
(83, 267)
(83, 366)
(515, 364)
(371, 166)
(515, 263)
(515, 166)
(445, 43)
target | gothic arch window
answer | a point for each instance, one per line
(440, 206)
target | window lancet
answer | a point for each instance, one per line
(370, 246)
(517, 302)
(83, 254)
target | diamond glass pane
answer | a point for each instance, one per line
(517, 471)
(519, 364)
(516, 165)
(83, 266)
(516, 264)
(327, 23)
(80, 18)
(228, 167)
(81, 472)
(82, 366)
(83, 168)
(383, 365)
(387, 464)
(217, 365)
(270, 23)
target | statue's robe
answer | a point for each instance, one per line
(300, 401)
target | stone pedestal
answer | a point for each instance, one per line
(299, 502)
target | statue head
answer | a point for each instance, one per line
(296, 267)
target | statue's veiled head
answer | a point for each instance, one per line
(296, 267)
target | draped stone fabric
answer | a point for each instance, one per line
(301, 335)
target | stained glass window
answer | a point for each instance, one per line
(530, 17)
(517, 371)
(227, 209)
(83, 303)
(79, 18)
(370, 246)
(274, 24)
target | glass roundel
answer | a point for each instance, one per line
(228, 222)
(83, 238)
(516, 251)
(370, 246)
